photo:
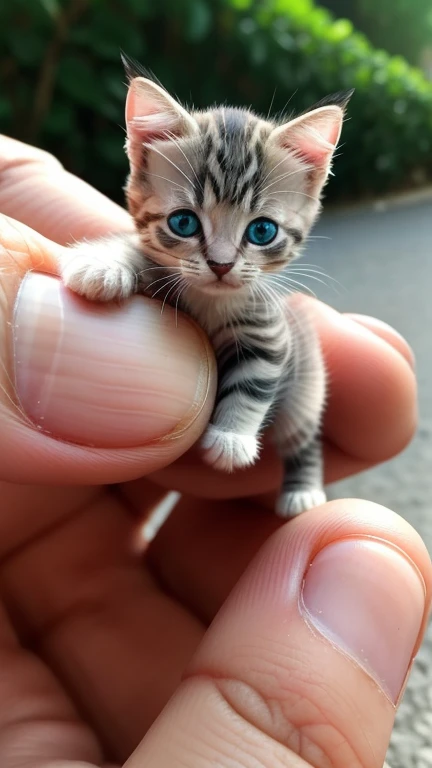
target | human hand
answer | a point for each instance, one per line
(94, 639)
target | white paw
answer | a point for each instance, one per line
(227, 450)
(97, 280)
(293, 503)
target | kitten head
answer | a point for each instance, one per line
(224, 196)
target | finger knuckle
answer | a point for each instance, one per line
(292, 722)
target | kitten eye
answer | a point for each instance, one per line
(261, 231)
(184, 223)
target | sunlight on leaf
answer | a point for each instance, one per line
(51, 7)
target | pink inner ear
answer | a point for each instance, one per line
(314, 137)
(145, 120)
(312, 151)
(152, 127)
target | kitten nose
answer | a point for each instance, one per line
(220, 269)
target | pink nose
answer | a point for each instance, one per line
(220, 269)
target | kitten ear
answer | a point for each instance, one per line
(313, 137)
(151, 114)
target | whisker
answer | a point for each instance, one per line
(307, 264)
(271, 104)
(290, 282)
(283, 111)
(148, 269)
(171, 181)
(318, 237)
(169, 280)
(310, 271)
(318, 280)
(164, 277)
(284, 176)
(177, 144)
(179, 280)
(177, 302)
(269, 295)
(292, 192)
(174, 165)
(272, 292)
(272, 170)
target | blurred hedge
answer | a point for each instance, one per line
(402, 27)
(62, 85)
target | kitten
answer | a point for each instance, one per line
(222, 201)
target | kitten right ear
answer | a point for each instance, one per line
(151, 114)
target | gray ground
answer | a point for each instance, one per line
(382, 256)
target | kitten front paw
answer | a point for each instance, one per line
(97, 280)
(227, 451)
(292, 503)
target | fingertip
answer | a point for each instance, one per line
(372, 411)
(388, 334)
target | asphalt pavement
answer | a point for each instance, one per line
(381, 258)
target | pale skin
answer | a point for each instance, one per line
(94, 638)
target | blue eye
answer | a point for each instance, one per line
(184, 223)
(261, 231)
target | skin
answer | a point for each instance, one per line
(86, 629)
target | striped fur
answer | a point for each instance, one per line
(229, 167)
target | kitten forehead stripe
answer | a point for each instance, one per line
(231, 158)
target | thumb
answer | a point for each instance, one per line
(91, 393)
(305, 664)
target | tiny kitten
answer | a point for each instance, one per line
(222, 201)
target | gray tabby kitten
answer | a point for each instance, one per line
(222, 200)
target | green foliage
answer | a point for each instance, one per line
(62, 85)
(402, 27)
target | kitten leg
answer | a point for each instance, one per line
(297, 423)
(104, 269)
(250, 365)
(302, 486)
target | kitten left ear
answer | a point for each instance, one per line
(152, 114)
(313, 137)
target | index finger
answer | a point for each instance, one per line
(37, 191)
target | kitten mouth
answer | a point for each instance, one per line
(221, 287)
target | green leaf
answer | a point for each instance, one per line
(51, 7)
(78, 80)
(27, 48)
(241, 5)
(111, 149)
(141, 8)
(340, 30)
(5, 109)
(61, 118)
(199, 19)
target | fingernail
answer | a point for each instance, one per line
(105, 375)
(368, 599)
